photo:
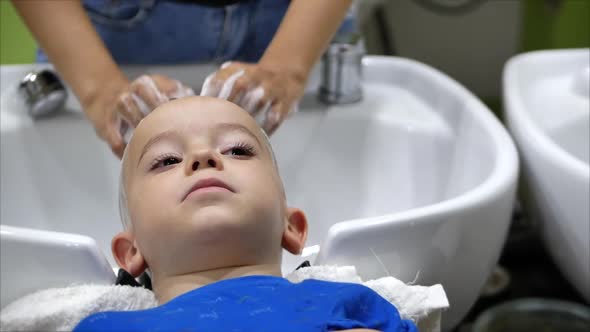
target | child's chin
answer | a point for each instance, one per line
(215, 215)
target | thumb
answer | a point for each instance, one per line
(273, 118)
(114, 138)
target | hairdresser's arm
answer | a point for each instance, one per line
(67, 36)
(304, 33)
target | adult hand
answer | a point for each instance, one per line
(257, 88)
(122, 105)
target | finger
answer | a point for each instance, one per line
(181, 91)
(171, 88)
(127, 107)
(257, 100)
(273, 118)
(239, 89)
(251, 99)
(164, 84)
(228, 84)
(211, 86)
(118, 148)
(115, 139)
(294, 109)
(148, 93)
(125, 131)
(245, 83)
(142, 106)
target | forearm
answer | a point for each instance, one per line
(304, 33)
(67, 36)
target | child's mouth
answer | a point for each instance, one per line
(208, 185)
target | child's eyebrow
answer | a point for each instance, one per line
(228, 126)
(155, 139)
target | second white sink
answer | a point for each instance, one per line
(547, 109)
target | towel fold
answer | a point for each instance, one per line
(421, 304)
(60, 309)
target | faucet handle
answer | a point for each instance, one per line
(341, 73)
(43, 91)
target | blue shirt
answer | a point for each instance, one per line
(260, 303)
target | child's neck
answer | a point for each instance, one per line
(168, 287)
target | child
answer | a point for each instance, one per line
(205, 210)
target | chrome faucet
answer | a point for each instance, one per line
(341, 72)
(44, 93)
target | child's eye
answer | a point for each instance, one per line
(165, 161)
(240, 150)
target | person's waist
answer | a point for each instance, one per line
(210, 3)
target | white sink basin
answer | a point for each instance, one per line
(547, 106)
(416, 181)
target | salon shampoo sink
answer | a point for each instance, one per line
(547, 107)
(416, 181)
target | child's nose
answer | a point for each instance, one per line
(204, 159)
(210, 162)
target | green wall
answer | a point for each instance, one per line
(16, 43)
(546, 26)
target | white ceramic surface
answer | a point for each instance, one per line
(547, 106)
(416, 181)
(45, 259)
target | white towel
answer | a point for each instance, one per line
(60, 309)
(420, 304)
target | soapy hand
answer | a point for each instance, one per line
(259, 89)
(121, 108)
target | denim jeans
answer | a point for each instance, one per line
(168, 32)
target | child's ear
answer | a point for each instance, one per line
(127, 254)
(295, 233)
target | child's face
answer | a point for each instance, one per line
(202, 189)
